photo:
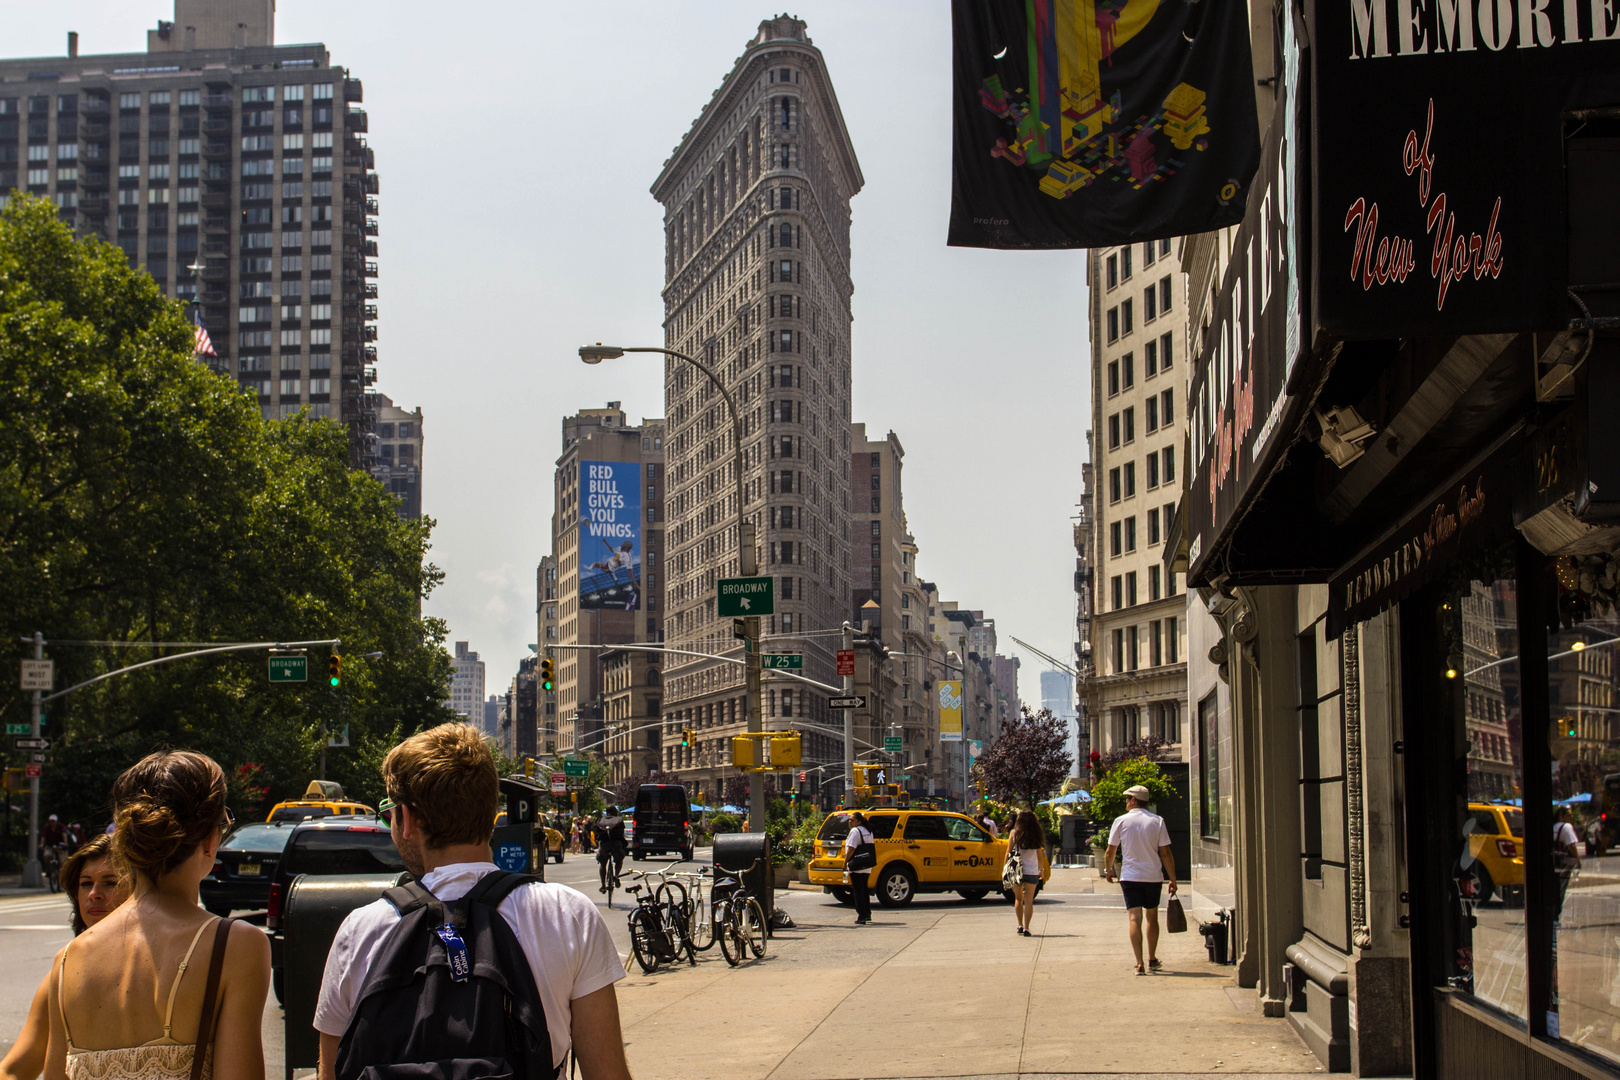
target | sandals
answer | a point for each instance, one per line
(1140, 970)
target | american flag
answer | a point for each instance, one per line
(203, 345)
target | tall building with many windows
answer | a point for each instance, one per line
(398, 454)
(1137, 678)
(467, 683)
(236, 172)
(757, 284)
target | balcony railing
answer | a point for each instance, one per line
(216, 101)
(217, 150)
(371, 311)
(355, 119)
(353, 90)
(371, 206)
(371, 290)
(217, 125)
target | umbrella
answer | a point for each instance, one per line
(728, 808)
(1072, 797)
(1573, 800)
(700, 808)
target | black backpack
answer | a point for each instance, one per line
(415, 1020)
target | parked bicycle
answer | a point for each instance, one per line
(739, 918)
(657, 926)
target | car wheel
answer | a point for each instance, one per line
(278, 984)
(1486, 888)
(556, 856)
(897, 887)
(973, 896)
(635, 856)
(686, 854)
(1513, 896)
(842, 895)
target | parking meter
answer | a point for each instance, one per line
(313, 910)
(520, 845)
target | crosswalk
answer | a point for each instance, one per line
(23, 905)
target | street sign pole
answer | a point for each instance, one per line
(748, 566)
(31, 877)
(849, 717)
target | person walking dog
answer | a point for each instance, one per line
(1139, 836)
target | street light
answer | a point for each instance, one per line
(747, 560)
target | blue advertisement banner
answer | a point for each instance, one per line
(610, 536)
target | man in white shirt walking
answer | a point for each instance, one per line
(442, 792)
(1140, 837)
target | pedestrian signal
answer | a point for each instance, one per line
(334, 670)
(548, 674)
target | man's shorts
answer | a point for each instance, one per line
(1142, 894)
(608, 851)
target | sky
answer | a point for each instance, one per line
(516, 143)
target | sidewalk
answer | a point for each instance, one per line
(946, 989)
(11, 885)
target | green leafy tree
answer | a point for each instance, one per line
(1108, 794)
(144, 499)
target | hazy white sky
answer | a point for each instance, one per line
(516, 142)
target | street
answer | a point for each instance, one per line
(938, 989)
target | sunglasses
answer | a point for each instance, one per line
(385, 811)
(228, 822)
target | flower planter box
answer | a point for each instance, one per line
(784, 874)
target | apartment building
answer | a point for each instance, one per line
(607, 533)
(518, 728)
(757, 285)
(1137, 684)
(467, 683)
(398, 454)
(632, 689)
(235, 171)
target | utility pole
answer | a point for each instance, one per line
(748, 566)
(31, 877)
(849, 721)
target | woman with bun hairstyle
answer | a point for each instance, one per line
(160, 981)
(94, 886)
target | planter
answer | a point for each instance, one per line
(804, 875)
(784, 874)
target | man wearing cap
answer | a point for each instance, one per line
(1140, 838)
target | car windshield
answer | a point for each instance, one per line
(668, 800)
(258, 838)
(358, 849)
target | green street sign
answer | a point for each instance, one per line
(19, 729)
(783, 661)
(891, 744)
(289, 669)
(746, 596)
(578, 769)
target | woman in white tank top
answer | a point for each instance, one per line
(138, 994)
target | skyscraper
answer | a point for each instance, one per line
(757, 285)
(219, 149)
(467, 683)
(398, 453)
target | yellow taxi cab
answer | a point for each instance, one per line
(323, 798)
(554, 839)
(917, 851)
(1495, 835)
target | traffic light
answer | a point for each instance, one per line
(528, 768)
(686, 736)
(334, 670)
(548, 674)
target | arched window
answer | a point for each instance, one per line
(652, 676)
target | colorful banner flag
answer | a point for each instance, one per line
(950, 710)
(1084, 123)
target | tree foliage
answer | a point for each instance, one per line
(1151, 747)
(1108, 794)
(144, 499)
(1028, 760)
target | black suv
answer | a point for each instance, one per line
(327, 846)
(244, 866)
(660, 822)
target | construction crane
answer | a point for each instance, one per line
(1054, 661)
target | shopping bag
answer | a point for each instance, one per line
(1175, 920)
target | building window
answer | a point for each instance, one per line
(1125, 263)
(1130, 533)
(1113, 324)
(1130, 479)
(1153, 526)
(1128, 365)
(1119, 649)
(1164, 294)
(1130, 589)
(1152, 471)
(1164, 352)
(1130, 424)
(1114, 545)
(1147, 253)
(1133, 647)
(1150, 304)
(1168, 454)
(1113, 377)
(1167, 406)
(1151, 416)
(1127, 321)
(1154, 584)
(1150, 359)
(1117, 587)
(1113, 485)
(1172, 641)
(1113, 432)
(1113, 271)
(1155, 645)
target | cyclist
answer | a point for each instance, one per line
(610, 844)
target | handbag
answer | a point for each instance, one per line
(1012, 871)
(862, 858)
(1175, 919)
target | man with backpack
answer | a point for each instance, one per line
(468, 971)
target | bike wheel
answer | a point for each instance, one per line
(753, 927)
(642, 939)
(728, 931)
(670, 892)
(699, 925)
(675, 931)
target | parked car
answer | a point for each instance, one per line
(1495, 836)
(323, 798)
(244, 866)
(326, 846)
(917, 851)
(660, 822)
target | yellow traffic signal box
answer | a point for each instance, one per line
(742, 752)
(786, 749)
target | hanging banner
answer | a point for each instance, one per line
(1083, 123)
(1440, 159)
(610, 536)
(950, 710)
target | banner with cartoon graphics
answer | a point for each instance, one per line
(950, 710)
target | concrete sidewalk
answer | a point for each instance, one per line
(946, 989)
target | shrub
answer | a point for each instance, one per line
(724, 822)
(1108, 794)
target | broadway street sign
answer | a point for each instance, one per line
(746, 596)
(289, 669)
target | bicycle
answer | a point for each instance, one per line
(657, 933)
(610, 878)
(739, 919)
(50, 867)
(698, 916)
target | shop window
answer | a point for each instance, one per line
(1209, 767)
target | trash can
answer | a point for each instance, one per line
(736, 852)
(1215, 936)
(313, 910)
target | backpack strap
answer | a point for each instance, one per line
(496, 887)
(408, 897)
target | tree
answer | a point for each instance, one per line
(736, 790)
(1150, 747)
(144, 499)
(1108, 794)
(1028, 759)
(625, 790)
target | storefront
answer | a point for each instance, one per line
(1403, 508)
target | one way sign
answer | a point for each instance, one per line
(746, 596)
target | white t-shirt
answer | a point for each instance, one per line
(1139, 834)
(859, 835)
(562, 934)
(1564, 835)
